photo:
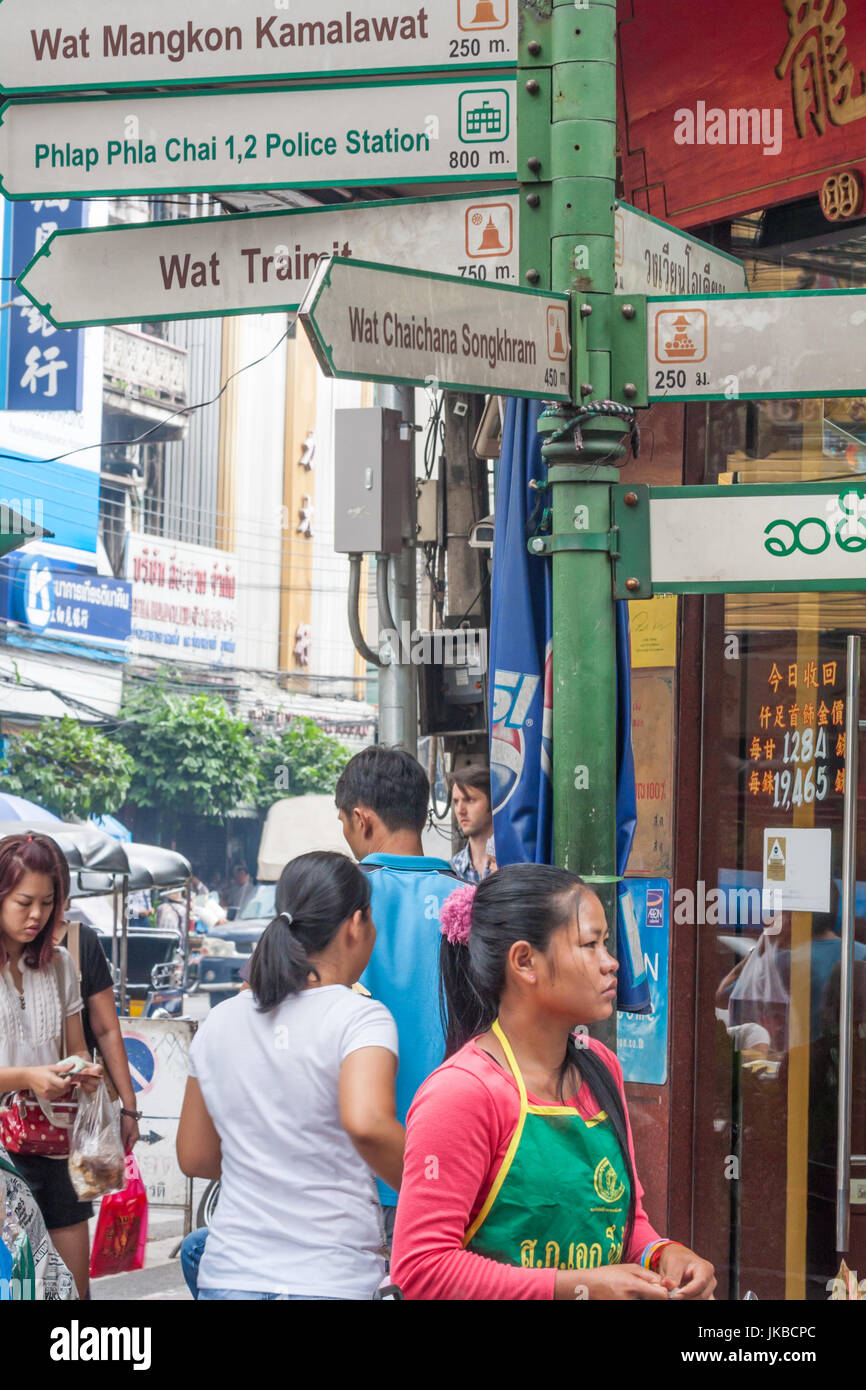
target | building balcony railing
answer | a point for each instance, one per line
(145, 377)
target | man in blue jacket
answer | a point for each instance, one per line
(382, 799)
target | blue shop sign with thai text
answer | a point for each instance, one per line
(55, 599)
(42, 366)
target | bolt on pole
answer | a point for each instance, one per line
(567, 152)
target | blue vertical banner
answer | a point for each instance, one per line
(42, 367)
(521, 653)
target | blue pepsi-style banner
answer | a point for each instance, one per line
(64, 600)
(43, 366)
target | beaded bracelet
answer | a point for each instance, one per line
(652, 1253)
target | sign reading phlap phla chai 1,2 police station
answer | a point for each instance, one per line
(377, 323)
(106, 44)
(440, 131)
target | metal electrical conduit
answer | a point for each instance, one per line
(386, 620)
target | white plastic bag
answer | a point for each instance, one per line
(96, 1157)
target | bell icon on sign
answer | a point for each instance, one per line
(558, 344)
(491, 240)
(485, 13)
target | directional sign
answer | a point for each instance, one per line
(250, 264)
(301, 137)
(655, 258)
(375, 323)
(744, 539)
(183, 41)
(753, 347)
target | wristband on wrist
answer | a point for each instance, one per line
(131, 1114)
(652, 1253)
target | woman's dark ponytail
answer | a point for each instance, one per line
(315, 895)
(522, 902)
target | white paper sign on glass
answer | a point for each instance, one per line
(302, 137)
(116, 43)
(377, 323)
(248, 265)
(757, 346)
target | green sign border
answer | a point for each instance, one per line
(788, 395)
(380, 179)
(681, 236)
(471, 64)
(288, 308)
(786, 586)
(324, 351)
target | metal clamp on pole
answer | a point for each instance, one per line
(846, 981)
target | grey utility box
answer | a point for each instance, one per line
(371, 483)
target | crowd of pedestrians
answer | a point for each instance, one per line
(401, 1097)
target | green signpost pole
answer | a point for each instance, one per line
(568, 244)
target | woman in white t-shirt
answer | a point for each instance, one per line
(40, 1001)
(290, 1102)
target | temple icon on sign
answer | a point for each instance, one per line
(482, 14)
(557, 333)
(489, 230)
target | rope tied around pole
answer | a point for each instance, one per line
(595, 410)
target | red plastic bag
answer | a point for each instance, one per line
(121, 1228)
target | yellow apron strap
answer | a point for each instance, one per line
(507, 1161)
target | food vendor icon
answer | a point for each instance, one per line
(681, 335)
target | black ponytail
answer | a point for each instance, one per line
(522, 902)
(315, 895)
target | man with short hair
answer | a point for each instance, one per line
(470, 799)
(382, 800)
(241, 888)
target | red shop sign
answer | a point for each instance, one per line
(735, 105)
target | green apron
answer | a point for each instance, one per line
(560, 1198)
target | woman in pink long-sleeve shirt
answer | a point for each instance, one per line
(519, 1179)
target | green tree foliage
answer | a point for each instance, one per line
(298, 761)
(191, 755)
(69, 768)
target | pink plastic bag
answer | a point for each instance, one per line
(121, 1228)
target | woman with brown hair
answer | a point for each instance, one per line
(41, 1034)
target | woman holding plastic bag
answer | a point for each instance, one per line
(43, 1061)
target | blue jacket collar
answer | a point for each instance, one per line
(407, 861)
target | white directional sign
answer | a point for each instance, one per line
(655, 258)
(53, 46)
(757, 538)
(752, 347)
(375, 323)
(303, 137)
(247, 265)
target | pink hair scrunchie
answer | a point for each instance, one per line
(455, 915)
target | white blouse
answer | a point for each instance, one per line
(31, 1036)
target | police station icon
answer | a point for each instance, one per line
(484, 116)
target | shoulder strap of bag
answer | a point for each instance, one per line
(73, 944)
(61, 994)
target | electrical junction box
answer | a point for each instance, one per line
(372, 478)
(452, 687)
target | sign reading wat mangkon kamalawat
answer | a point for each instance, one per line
(47, 48)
